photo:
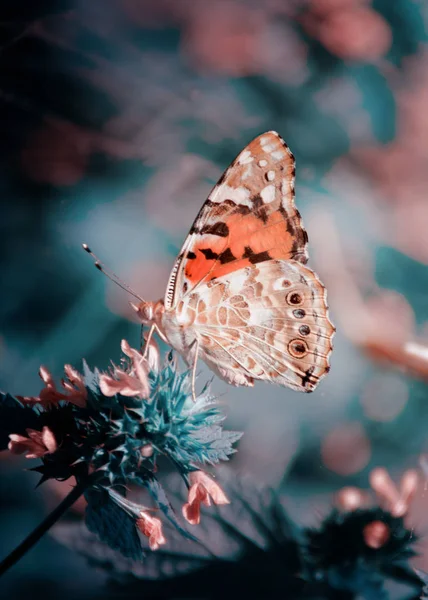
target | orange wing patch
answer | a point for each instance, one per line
(250, 244)
(249, 217)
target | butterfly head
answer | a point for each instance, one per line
(149, 312)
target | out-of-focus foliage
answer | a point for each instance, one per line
(117, 118)
(253, 548)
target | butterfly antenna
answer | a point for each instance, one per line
(112, 276)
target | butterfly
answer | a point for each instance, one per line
(240, 296)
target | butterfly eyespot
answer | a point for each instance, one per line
(286, 283)
(304, 330)
(295, 298)
(299, 313)
(298, 348)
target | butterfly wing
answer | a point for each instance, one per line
(268, 322)
(249, 217)
(239, 286)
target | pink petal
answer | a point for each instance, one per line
(28, 399)
(49, 439)
(212, 488)
(45, 375)
(49, 395)
(35, 435)
(16, 437)
(74, 376)
(198, 493)
(109, 386)
(125, 384)
(147, 451)
(192, 512)
(151, 527)
(18, 443)
(126, 348)
(140, 367)
(77, 394)
(217, 494)
(153, 356)
(156, 538)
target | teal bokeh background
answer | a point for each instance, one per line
(118, 117)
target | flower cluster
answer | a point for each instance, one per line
(109, 430)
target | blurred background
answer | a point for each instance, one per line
(117, 117)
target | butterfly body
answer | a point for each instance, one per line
(240, 296)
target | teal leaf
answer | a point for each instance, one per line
(113, 525)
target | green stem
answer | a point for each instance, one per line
(44, 526)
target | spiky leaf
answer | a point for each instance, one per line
(112, 525)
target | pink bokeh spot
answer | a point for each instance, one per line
(376, 534)
(346, 449)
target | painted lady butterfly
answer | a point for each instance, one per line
(239, 296)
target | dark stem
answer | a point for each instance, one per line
(44, 526)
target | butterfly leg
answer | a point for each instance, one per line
(141, 337)
(195, 362)
(149, 337)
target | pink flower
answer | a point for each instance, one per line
(74, 390)
(75, 387)
(203, 489)
(37, 444)
(132, 380)
(151, 527)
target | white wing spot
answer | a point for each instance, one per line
(263, 162)
(268, 194)
(278, 155)
(271, 175)
(245, 158)
(285, 187)
(247, 172)
(239, 195)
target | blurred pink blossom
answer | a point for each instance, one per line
(351, 498)
(351, 32)
(393, 498)
(376, 534)
(74, 390)
(241, 28)
(37, 444)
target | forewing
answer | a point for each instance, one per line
(269, 322)
(249, 218)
